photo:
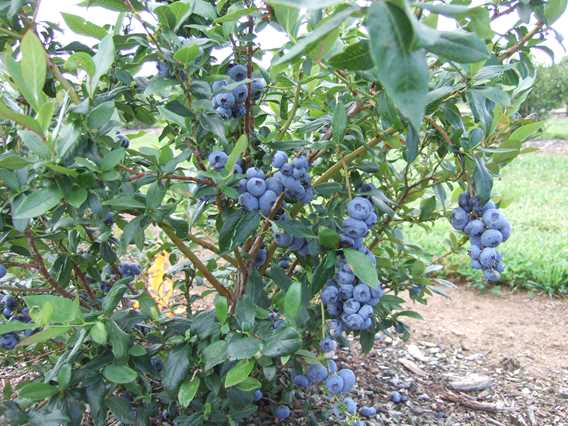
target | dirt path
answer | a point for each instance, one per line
(531, 330)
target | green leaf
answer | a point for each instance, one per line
(23, 120)
(362, 267)
(98, 333)
(113, 297)
(459, 46)
(44, 335)
(125, 202)
(103, 61)
(112, 159)
(119, 340)
(328, 238)
(176, 368)
(83, 27)
(235, 15)
(187, 392)
(313, 37)
(12, 161)
(355, 57)
(81, 60)
(483, 181)
(293, 300)
(237, 151)
(239, 372)
(62, 310)
(249, 384)
(37, 203)
(120, 374)
(553, 9)
(284, 341)
(221, 308)
(339, 122)
(215, 354)
(187, 53)
(306, 4)
(34, 67)
(402, 70)
(100, 115)
(67, 140)
(411, 145)
(64, 376)
(243, 348)
(37, 391)
(11, 326)
(245, 313)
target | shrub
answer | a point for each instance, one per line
(276, 194)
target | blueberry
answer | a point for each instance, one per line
(371, 219)
(464, 201)
(124, 142)
(328, 345)
(248, 201)
(396, 397)
(362, 293)
(308, 196)
(256, 186)
(475, 240)
(218, 84)
(255, 172)
(239, 110)
(334, 384)
(350, 405)
(284, 264)
(224, 113)
(282, 239)
(274, 184)
(366, 311)
(157, 363)
(493, 219)
(345, 291)
(316, 373)
(475, 264)
(354, 228)
(237, 169)
(286, 170)
(297, 243)
(267, 201)
(240, 93)
(9, 341)
(301, 381)
(488, 205)
(238, 72)
(344, 266)
(488, 257)
(9, 301)
(354, 321)
(260, 258)
(500, 267)
(459, 218)
(7, 312)
(279, 159)
(367, 411)
(258, 85)
(359, 208)
(217, 160)
(351, 306)
(301, 162)
(345, 277)
(331, 366)
(329, 295)
(336, 329)
(474, 251)
(474, 227)
(491, 238)
(491, 275)
(163, 69)
(505, 230)
(3, 271)
(225, 100)
(367, 187)
(257, 395)
(332, 309)
(376, 294)
(349, 379)
(108, 220)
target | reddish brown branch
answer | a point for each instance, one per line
(513, 49)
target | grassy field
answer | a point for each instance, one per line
(536, 255)
(555, 128)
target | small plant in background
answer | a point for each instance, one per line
(276, 195)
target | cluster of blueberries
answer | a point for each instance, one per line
(486, 227)
(348, 300)
(232, 103)
(9, 310)
(122, 139)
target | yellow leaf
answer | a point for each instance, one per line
(161, 289)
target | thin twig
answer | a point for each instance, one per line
(513, 49)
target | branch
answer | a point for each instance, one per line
(143, 23)
(248, 115)
(84, 283)
(64, 82)
(292, 113)
(513, 49)
(170, 232)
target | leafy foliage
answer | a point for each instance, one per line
(550, 90)
(370, 100)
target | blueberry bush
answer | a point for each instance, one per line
(277, 194)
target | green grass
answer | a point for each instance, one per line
(536, 255)
(555, 128)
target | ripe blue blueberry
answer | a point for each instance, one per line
(493, 219)
(396, 397)
(474, 227)
(376, 294)
(163, 69)
(283, 240)
(301, 381)
(267, 201)
(505, 230)
(298, 243)
(488, 205)
(260, 258)
(459, 218)
(301, 162)
(239, 110)
(351, 306)
(334, 384)
(308, 195)
(237, 169)
(256, 186)
(9, 341)
(7, 312)
(224, 113)
(332, 309)
(474, 252)
(359, 208)
(475, 264)
(335, 328)
(9, 301)
(279, 159)
(367, 411)
(354, 228)
(464, 201)
(274, 184)
(248, 201)
(331, 366)
(282, 412)
(491, 238)
(362, 293)
(345, 291)
(491, 275)
(257, 395)
(124, 142)
(218, 84)
(329, 295)
(225, 100)
(500, 267)
(258, 85)
(238, 72)
(349, 379)
(255, 172)
(157, 363)
(317, 373)
(366, 311)
(3, 271)
(345, 277)
(284, 263)
(217, 160)
(488, 257)
(371, 219)
(286, 170)
(354, 321)
(350, 405)
(240, 93)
